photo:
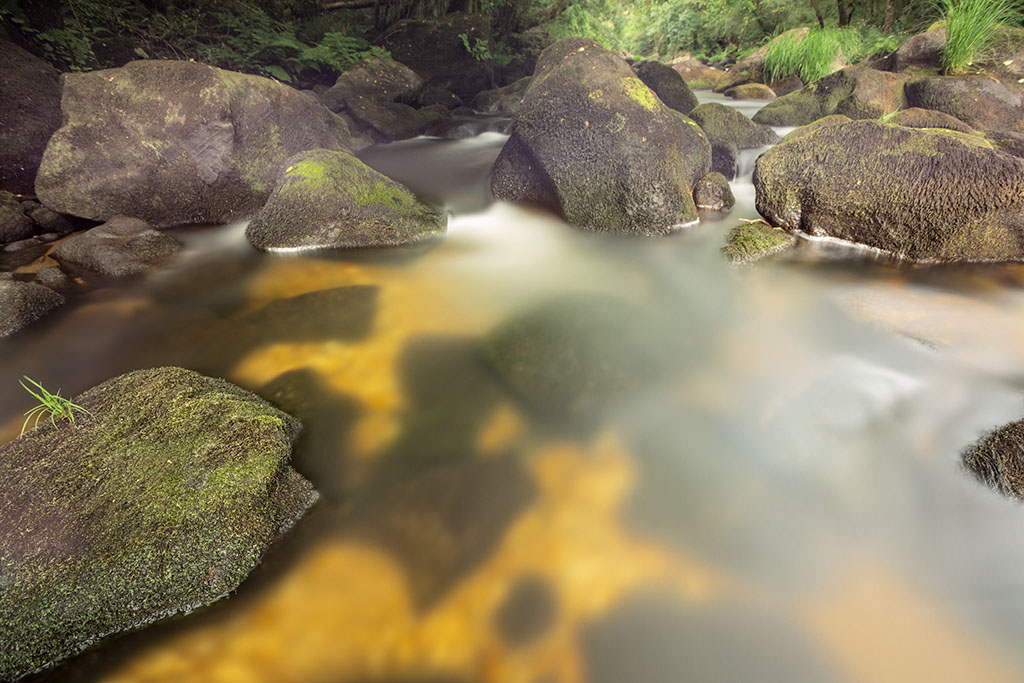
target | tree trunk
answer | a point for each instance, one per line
(817, 13)
(845, 10)
(890, 16)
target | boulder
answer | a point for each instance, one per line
(750, 91)
(387, 121)
(859, 92)
(176, 142)
(920, 52)
(14, 224)
(696, 74)
(712, 192)
(50, 221)
(21, 304)
(749, 242)
(121, 247)
(29, 114)
(915, 117)
(831, 120)
(595, 145)
(160, 499)
(724, 159)
(1006, 141)
(667, 84)
(927, 195)
(432, 96)
(978, 101)
(328, 199)
(997, 459)
(507, 100)
(724, 124)
(750, 69)
(435, 50)
(378, 78)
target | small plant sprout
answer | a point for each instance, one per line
(53, 404)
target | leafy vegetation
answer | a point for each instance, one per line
(53, 405)
(810, 57)
(971, 28)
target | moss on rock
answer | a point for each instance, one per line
(859, 92)
(329, 199)
(752, 241)
(667, 84)
(724, 124)
(916, 117)
(162, 500)
(713, 192)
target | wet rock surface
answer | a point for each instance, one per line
(23, 303)
(121, 247)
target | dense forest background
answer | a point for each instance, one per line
(309, 39)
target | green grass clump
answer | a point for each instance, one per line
(54, 405)
(811, 57)
(971, 27)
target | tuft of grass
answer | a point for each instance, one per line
(54, 405)
(971, 27)
(811, 57)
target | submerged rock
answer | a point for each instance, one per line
(997, 459)
(859, 92)
(328, 199)
(162, 500)
(921, 194)
(120, 247)
(29, 113)
(595, 145)
(752, 241)
(177, 142)
(667, 84)
(724, 124)
(23, 303)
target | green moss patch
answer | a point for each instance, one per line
(752, 241)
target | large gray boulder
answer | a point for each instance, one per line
(327, 199)
(667, 84)
(23, 303)
(724, 124)
(177, 142)
(859, 92)
(29, 114)
(929, 195)
(595, 145)
(378, 78)
(120, 247)
(978, 101)
(161, 498)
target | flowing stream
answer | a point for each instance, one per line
(787, 506)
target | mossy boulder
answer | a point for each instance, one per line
(327, 199)
(750, 69)
(121, 247)
(978, 101)
(823, 122)
(724, 124)
(507, 100)
(920, 194)
(859, 92)
(916, 117)
(23, 303)
(997, 459)
(162, 499)
(750, 242)
(378, 78)
(575, 354)
(177, 142)
(750, 91)
(595, 145)
(14, 224)
(667, 84)
(697, 74)
(29, 114)
(712, 192)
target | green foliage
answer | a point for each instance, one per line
(479, 49)
(971, 28)
(53, 405)
(601, 20)
(811, 57)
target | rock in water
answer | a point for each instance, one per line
(595, 145)
(29, 113)
(997, 459)
(162, 500)
(23, 303)
(326, 199)
(667, 84)
(175, 143)
(859, 92)
(120, 247)
(724, 124)
(920, 194)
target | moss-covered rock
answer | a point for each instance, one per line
(750, 91)
(724, 124)
(713, 192)
(177, 142)
(162, 499)
(595, 145)
(327, 199)
(23, 303)
(572, 355)
(667, 84)
(823, 122)
(921, 194)
(749, 242)
(859, 92)
(696, 74)
(978, 101)
(29, 114)
(997, 459)
(121, 247)
(750, 69)
(916, 117)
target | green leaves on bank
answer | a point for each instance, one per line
(971, 28)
